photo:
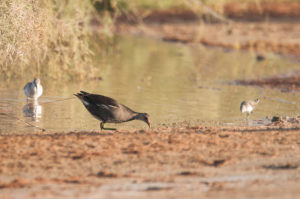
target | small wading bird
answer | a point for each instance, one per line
(248, 106)
(33, 89)
(108, 110)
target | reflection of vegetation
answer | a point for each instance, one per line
(49, 33)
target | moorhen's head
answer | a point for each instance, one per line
(144, 117)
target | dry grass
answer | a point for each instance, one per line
(45, 37)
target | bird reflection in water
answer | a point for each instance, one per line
(32, 109)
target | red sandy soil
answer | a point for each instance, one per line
(186, 162)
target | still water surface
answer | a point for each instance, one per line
(175, 83)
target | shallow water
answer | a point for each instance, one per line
(175, 83)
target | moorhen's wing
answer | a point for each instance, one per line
(102, 107)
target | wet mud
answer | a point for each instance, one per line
(285, 84)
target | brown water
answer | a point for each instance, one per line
(175, 83)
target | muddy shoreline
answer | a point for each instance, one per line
(193, 161)
(285, 84)
(179, 162)
(264, 28)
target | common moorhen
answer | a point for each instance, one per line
(108, 110)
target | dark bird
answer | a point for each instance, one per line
(260, 57)
(108, 110)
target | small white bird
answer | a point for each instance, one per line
(248, 106)
(33, 89)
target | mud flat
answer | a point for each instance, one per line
(269, 27)
(286, 84)
(197, 161)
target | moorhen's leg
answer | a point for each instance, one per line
(102, 127)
